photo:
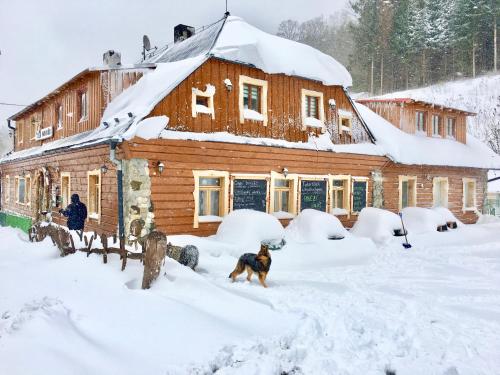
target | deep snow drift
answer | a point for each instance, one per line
(332, 307)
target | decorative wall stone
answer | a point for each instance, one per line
(378, 189)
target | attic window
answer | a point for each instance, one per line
(20, 131)
(436, 125)
(83, 105)
(59, 116)
(420, 122)
(203, 101)
(313, 112)
(253, 100)
(451, 128)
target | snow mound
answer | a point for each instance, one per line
(488, 219)
(377, 224)
(314, 226)
(247, 228)
(149, 128)
(419, 220)
(447, 215)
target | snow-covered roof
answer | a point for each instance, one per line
(235, 40)
(412, 149)
(404, 97)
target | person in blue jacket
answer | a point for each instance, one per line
(76, 212)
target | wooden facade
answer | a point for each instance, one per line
(402, 114)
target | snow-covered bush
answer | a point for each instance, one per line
(419, 220)
(247, 228)
(314, 226)
(377, 224)
(447, 215)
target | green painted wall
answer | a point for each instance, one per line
(10, 220)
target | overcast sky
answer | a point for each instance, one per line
(43, 43)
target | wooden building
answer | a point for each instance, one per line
(210, 125)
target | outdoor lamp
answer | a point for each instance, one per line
(161, 167)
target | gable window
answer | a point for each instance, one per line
(94, 194)
(203, 101)
(253, 100)
(451, 127)
(440, 191)
(407, 191)
(36, 124)
(313, 112)
(436, 125)
(210, 195)
(65, 189)
(83, 105)
(469, 194)
(420, 122)
(59, 116)
(20, 132)
(339, 190)
(20, 187)
(6, 189)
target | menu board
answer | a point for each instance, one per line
(358, 195)
(249, 194)
(313, 194)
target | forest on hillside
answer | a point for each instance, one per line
(390, 45)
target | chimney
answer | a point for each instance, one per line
(183, 32)
(112, 59)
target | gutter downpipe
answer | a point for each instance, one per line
(13, 131)
(119, 177)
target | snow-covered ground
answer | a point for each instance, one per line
(333, 307)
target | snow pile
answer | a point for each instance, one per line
(446, 215)
(488, 219)
(314, 226)
(243, 43)
(149, 128)
(413, 149)
(247, 228)
(377, 224)
(251, 114)
(419, 220)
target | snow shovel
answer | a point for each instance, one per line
(406, 245)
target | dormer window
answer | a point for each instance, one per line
(313, 112)
(83, 105)
(59, 116)
(203, 101)
(253, 100)
(436, 125)
(451, 128)
(420, 122)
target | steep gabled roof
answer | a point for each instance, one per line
(398, 98)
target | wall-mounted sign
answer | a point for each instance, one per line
(44, 133)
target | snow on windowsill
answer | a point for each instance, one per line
(200, 108)
(209, 219)
(345, 114)
(345, 128)
(93, 216)
(313, 122)
(250, 114)
(283, 215)
(421, 133)
(339, 211)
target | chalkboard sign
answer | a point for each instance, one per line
(249, 194)
(358, 195)
(313, 195)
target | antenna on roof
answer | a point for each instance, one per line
(146, 46)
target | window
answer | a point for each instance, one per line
(210, 196)
(65, 189)
(420, 122)
(6, 189)
(339, 195)
(94, 194)
(27, 195)
(282, 195)
(83, 105)
(407, 191)
(203, 101)
(59, 116)
(20, 131)
(440, 191)
(313, 112)
(436, 125)
(345, 129)
(469, 197)
(20, 190)
(253, 100)
(451, 127)
(36, 124)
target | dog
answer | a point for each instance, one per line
(259, 263)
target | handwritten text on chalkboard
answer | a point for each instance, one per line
(250, 194)
(313, 194)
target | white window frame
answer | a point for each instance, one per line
(20, 132)
(435, 185)
(321, 108)
(400, 190)
(209, 94)
(454, 135)
(16, 186)
(197, 174)
(465, 182)
(27, 189)
(84, 109)
(361, 179)
(439, 123)
(68, 199)
(94, 215)
(293, 178)
(424, 125)
(263, 98)
(347, 192)
(7, 189)
(59, 116)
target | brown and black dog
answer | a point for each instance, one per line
(259, 263)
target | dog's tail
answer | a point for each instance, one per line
(240, 267)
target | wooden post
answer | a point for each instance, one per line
(156, 246)
(104, 240)
(123, 253)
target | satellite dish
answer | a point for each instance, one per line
(146, 43)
